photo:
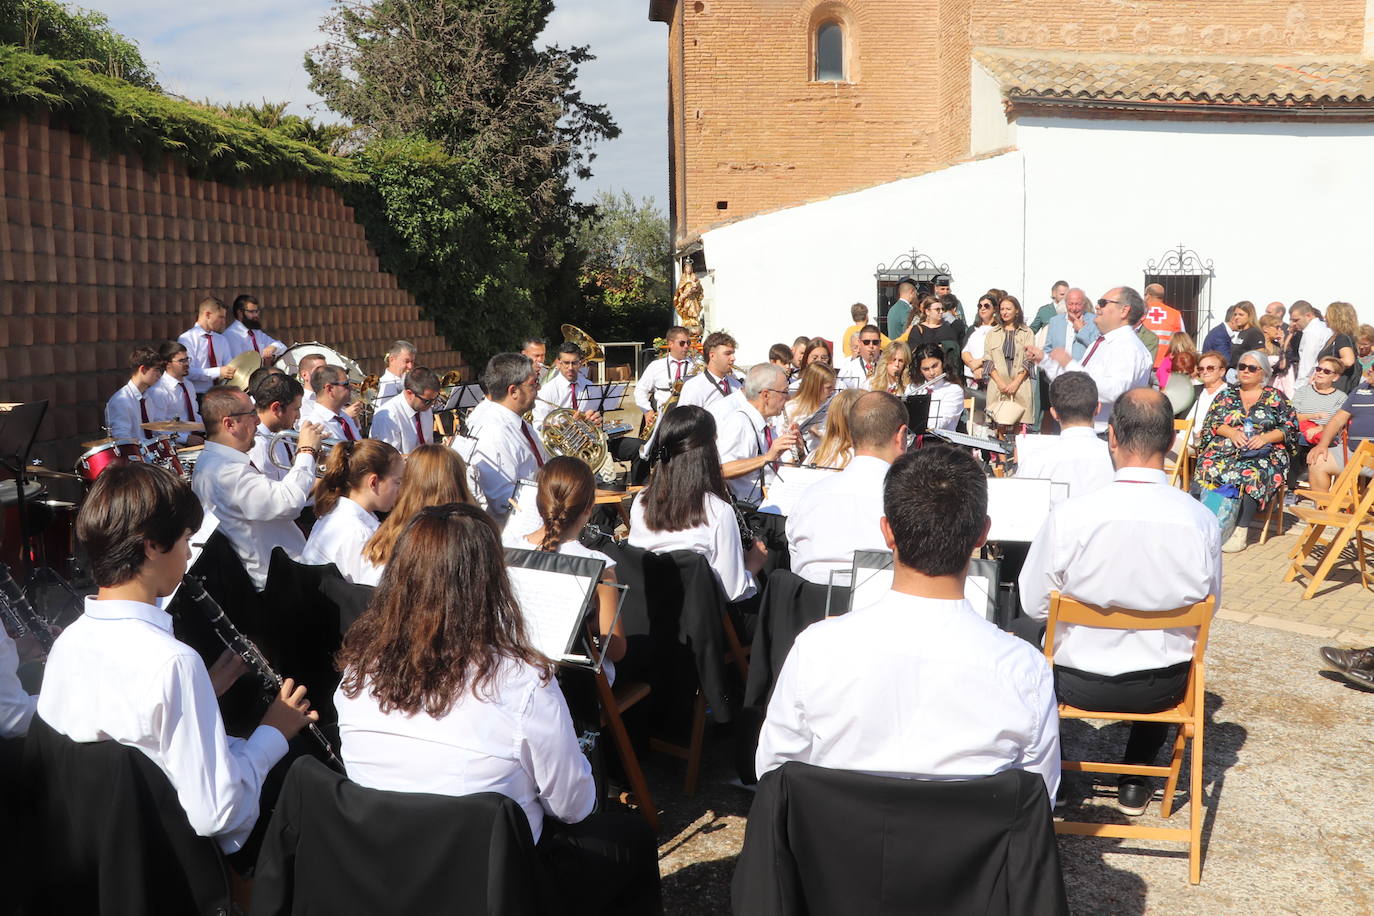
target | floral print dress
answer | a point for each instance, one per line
(1219, 462)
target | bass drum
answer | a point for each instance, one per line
(289, 361)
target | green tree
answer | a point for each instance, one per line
(626, 268)
(50, 28)
(334, 139)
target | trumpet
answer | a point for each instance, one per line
(291, 436)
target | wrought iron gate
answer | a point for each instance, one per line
(1187, 282)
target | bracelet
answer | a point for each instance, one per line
(306, 450)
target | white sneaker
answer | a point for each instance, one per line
(1236, 542)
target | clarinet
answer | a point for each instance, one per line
(20, 614)
(243, 647)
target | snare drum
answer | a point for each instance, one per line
(188, 455)
(162, 451)
(94, 461)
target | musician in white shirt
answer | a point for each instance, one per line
(1076, 456)
(400, 359)
(305, 371)
(566, 388)
(1117, 361)
(946, 398)
(918, 684)
(207, 346)
(133, 405)
(717, 379)
(857, 372)
(117, 673)
(360, 479)
(173, 398)
(255, 512)
(749, 448)
(332, 407)
(508, 449)
(246, 332)
(407, 422)
(839, 515)
(655, 386)
(1136, 543)
(278, 401)
(687, 505)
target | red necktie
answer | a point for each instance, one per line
(529, 437)
(767, 444)
(677, 371)
(254, 341)
(214, 363)
(347, 430)
(1091, 351)
(724, 385)
(573, 390)
(143, 409)
(186, 400)
(419, 432)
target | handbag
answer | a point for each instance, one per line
(1224, 503)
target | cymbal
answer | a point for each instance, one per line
(37, 470)
(172, 426)
(245, 364)
(97, 442)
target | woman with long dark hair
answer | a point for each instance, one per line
(360, 479)
(686, 505)
(443, 694)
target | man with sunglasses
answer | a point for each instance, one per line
(1117, 360)
(407, 422)
(330, 405)
(655, 386)
(856, 372)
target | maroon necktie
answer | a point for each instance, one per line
(143, 409)
(572, 389)
(724, 385)
(186, 400)
(214, 363)
(1091, 351)
(419, 432)
(529, 437)
(254, 341)
(767, 444)
(347, 430)
(677, 372)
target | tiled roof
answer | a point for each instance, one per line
(1137, 80)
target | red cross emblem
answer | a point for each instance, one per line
(1156, 315)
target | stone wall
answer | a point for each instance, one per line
(98, 255)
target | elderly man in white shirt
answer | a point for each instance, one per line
(749, 448)
(918, 684)
(717, 379)
(840, 514)
(508, 449)
(278, 401)
(134, 404)
(856, 372)
(1117, 361)
(246, 332)
(207, 346)
(255, 512)
(1315, 335)
(400, 359)
(1076, 456)
(407, 422)
(332, 407)
(1136, 543)
(655, 385)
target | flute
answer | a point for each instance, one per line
(243, 647)
(21, 615)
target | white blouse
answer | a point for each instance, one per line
(572, 548)
(717, 539)
(339, 538)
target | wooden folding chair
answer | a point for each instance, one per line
(614, 701)
(1181, 470)
(1187, 715)
(1345, 486)
(1271, 509)
(1346, 524)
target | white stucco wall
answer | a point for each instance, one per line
(1279, 210)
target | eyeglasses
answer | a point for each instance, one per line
(428, 402)
(1248, 367)
(1324, 371)
(1102, 303)
(243, 413)
(1209, 368)
(782, 391)
(871, 343)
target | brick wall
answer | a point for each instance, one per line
(97, 255)
(757, 134)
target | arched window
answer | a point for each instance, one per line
(830, 51)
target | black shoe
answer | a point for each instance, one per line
(1133, 795)
(1345, 660)
(1363, 677)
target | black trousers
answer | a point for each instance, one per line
(626, 448)
(607, 863)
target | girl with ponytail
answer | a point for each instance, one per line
(360, 479)
(567, 494)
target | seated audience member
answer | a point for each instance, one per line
(255, 512)
(837, 447)
(856, 371)
(132, 406)
(1355, 418)
(400, 360)
(1076, 456)
(687, 505)
(893, 373)
(434, 475)
(1211, 371)
(360, 479)
(173, 398)
(207, 346)
(716, 380)
(749, 449)
(508, 450)
(333, 406)
(1364, 347)
(278, 400)
(1315, 403)
(858, 313)
(807, 408)
(918, 684)
(246, 332)
(1180, 359)
(443, 694)
(566, 500)
(1247, 441)
(839, 514)
(118, 674)
(407, 422)
(1137, 543)
(946, 398)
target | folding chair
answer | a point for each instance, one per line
(1187, 715)
(1270, 509)
(1345, 487)
(614, 701)
(1181, 470)
(1347, 524)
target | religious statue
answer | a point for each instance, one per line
(687, 299)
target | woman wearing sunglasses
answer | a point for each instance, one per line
(1247, 441)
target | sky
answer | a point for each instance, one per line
(250, 50)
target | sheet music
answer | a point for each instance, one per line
(1018, 507)
(788, 486)
(871, 581)
(524, 514)
(553, 605)
(988, 445)
(615, 395)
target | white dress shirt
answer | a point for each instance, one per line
(717, 540)
(1201, 408)
(332, 421)
(124, 413)
(946, 404)
(388, 386)
(1076, 457)
(242, 339)
(704, 389)
(255, 512)
(1136, 543)
(1117, 362)
(722, 407)
(743, 433)
(556, 393)
(569, 548)
(395, 423)
(504, 453)
(16, 706)
(658, 378)
(913, 687)
(197, 342)
(835, 517)
(173, 399)
(854, 374)
(976, 346)
(339, 538)
(118, 674)
(517, 740)
(1314, 337)
(285, 452)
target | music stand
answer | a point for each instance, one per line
(19, 427)
(917, 412)
(464, 397)
(605, 397)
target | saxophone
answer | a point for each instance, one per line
(676, 392)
